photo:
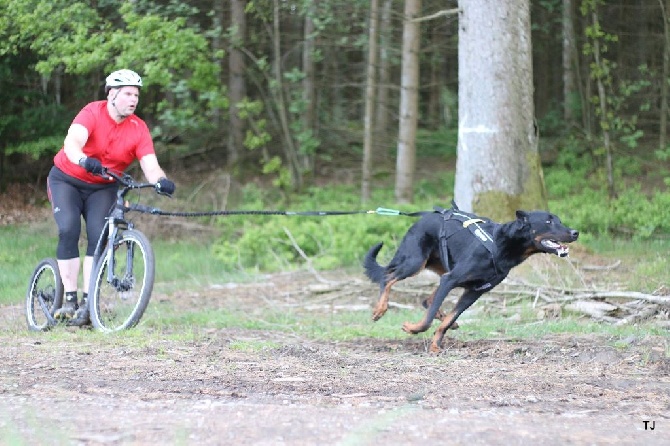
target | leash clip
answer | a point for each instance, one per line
(384, 211)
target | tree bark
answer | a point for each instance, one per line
(237, 88)
(289, 145)
(663, 124)
(381, 122)
(409, 100)
(368, 137)
(602, 96)
(498, 167)
(308, 83)
(568, 62)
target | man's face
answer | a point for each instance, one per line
(124, 99)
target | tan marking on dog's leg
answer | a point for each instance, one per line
(435, 346)
(383, 303)
(427, 303)
(419, 327)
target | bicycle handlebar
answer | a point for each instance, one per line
(125, 180)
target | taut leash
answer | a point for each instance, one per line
(379, 211)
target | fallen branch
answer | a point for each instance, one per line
(614, 265)
(661, 300)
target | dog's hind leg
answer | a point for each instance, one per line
(468, 298)
(410, 267)
(383, 302)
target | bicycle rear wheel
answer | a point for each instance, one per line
(44, 296)
(122, 285)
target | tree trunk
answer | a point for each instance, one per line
(663, 124)
(568, 62)
(308, 84)
(602, 95)
(436, 79)
(237, 88)
(368, 139)
(498, 168)
(289, 145)
(381, 139)
(409, 101)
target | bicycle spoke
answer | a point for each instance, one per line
(122, 293)
(44, 297)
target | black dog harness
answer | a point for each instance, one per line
(467, 221)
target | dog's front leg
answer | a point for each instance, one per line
(446, 285)
(440, 314)
(468, 298)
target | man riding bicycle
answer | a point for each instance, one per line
(104, 134)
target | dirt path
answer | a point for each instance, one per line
(556, 390)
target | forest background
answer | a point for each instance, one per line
(271, 95)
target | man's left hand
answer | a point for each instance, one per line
(165, 187)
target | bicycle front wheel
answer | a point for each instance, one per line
(122, 283)
(45, 295)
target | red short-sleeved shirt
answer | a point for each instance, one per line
(115, 145)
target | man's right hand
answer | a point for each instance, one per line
(91, 165)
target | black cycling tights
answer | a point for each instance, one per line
(70, 200)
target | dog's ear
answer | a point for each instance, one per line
(522, 216)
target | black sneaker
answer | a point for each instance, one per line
(68, 310)
(81, 316)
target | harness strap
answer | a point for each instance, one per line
(470, 223)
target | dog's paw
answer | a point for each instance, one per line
(377, 314)
(410, 328)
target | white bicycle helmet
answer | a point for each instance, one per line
(122, 78)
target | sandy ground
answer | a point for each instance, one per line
(560, 389)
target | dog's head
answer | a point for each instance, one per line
(548, 234)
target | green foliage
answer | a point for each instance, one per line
(631, 214)
(571, 171)
(38, 148)
(272, 243)
(440, 143)
(79, 38)
(28, 119)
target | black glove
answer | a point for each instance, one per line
(165, 186)
(91, 165)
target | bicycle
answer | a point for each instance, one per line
(122, 278)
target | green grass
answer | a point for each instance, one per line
(21, 248)
(476, 324)
(185, 266)
(647, 260)
(179, 264)
(191, 265)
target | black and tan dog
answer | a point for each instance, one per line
(467, 251)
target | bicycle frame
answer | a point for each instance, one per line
(116, 220)
(118, 274)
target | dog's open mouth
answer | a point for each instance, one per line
(557, 248)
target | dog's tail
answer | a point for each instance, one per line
(373, 269)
